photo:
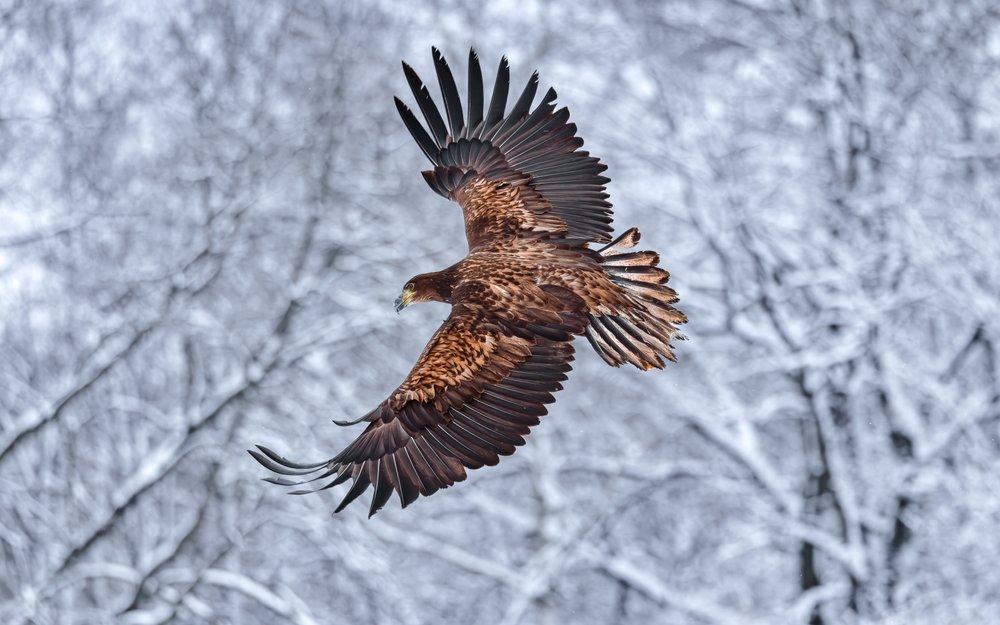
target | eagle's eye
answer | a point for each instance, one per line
(409, 287)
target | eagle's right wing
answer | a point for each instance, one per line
(474, 393)
(519, 173)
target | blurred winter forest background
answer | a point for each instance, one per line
(207, 208)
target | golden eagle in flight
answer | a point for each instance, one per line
(533, 204)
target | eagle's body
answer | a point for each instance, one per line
(525, 267)
(533, 204)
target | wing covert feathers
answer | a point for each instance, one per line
(560, 192)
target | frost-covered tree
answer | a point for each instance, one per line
(206, 209)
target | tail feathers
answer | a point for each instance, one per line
(619, 340)
(640, 336)
(626, 239)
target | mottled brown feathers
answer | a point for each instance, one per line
(532, 203)
(498, 212)
(471, 398)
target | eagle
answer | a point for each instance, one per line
(542, 269)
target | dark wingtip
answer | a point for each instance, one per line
(256, 455)
(360, 485)
(498, 101)
(278, 464)
(411, 76)
(280, 481)
(449, 93)
(432, 116)
(419, 134)
(347, 422)
(476, 96)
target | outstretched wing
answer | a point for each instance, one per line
(477, 389)
(519, 173)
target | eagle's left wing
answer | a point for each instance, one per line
(516, 173)
(474, 393)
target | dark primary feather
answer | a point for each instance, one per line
(521, 106)
(499, 100)
(475, 93)
(427, 106)
(449, 91)
(420, 135)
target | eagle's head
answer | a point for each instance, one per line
(426, 287)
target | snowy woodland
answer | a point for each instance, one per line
(207, 208)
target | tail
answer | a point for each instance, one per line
(640, 336)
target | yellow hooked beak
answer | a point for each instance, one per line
(405, 299)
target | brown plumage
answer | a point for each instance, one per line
(533, 203)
